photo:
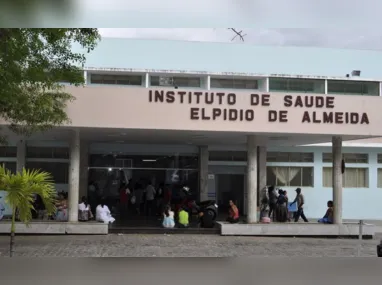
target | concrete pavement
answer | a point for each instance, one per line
(134, 245)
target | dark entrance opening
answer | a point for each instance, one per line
(107, 173)
(230, 187)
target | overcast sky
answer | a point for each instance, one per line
(322, 23)
(337, 38)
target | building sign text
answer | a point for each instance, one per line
(224, 107)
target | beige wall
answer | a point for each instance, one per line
(123, 107)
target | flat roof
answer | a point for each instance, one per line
(233, 59)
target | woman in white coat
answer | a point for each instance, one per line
(103, 213)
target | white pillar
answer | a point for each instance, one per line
(84, 165)
(262, 167)
(74, 176)
(203, 172)
(147, 80)
(251, 180)
(337, 179)
(21, 155)
(86, 77)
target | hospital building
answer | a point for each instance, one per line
(226, 119)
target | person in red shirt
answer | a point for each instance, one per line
(233, 212)
(124, 193)
(167, 195)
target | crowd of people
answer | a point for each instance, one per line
(275, 207)
(150, 201)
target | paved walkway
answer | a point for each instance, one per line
(183, 246)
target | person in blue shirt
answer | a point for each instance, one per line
(328, 217)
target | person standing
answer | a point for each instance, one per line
(281, 208)
(300, 206)
(150, 198)
(159, 199)
(272, 199)
(138, 194)
(123, 200)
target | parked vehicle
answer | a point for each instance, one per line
(189, 203)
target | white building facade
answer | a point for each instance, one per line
(226, 134)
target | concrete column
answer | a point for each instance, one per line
(21, 155)
(251, 180)
(84, 164)
(337, 179)
(203, 172)
(147, 80)
(262, 168)
(74, 176)
(208, 82)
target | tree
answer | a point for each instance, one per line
(33, 64)
(21, 188)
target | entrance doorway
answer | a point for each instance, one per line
(230, 187)
(110, 172)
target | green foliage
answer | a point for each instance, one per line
(21, 188)
(33, 64)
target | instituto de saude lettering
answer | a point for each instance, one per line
(255, 101)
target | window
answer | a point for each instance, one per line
(59, 170)
(352, 178)
(353, 87)
(379, 158)
(175, 81)
(379, 179)
(228, 83)
(8, 151)
(290, 157)
(296, 85)
(116, 79)
(228, 156)
(290, 176)
(348, 157)
(48, 152)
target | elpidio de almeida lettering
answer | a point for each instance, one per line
(309, 102)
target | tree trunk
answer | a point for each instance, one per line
(13, 229)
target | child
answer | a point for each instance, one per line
(168, 218)
(328, 218)
(183, 218)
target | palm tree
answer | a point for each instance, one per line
(21, 188)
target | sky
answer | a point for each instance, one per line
(318, 37)
(322, 23)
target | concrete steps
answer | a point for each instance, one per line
(158, 230)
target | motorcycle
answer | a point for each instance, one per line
(208, 206)
(192, 207)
